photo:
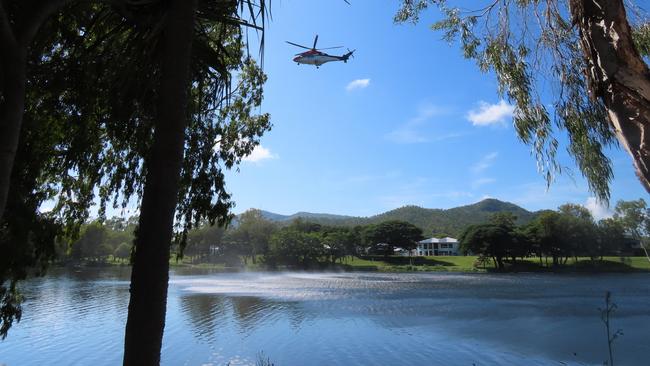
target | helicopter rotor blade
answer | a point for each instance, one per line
(297, 45)
(329, 48)
(315, 41)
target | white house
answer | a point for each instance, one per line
(435, 246)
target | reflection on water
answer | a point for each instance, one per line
(77, 318)
(204, 313)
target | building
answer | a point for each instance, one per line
(435, 246)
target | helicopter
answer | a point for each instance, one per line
(315, 57)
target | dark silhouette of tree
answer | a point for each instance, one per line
(150, 273)
(111, 75)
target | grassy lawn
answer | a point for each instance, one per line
(442, 264)
(401, 264)
(466, 264)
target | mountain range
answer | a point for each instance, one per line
(432, 221)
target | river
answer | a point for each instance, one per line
(78, 318)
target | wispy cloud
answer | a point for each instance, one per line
(409, 132)
(477, 183)
(357, 84)
(406, 134)
(598, 210)
(485, 162)
(259, 154)
(423, 199)
(537, 195)
(491, 114)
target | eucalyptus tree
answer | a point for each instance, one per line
(253, 233)
(577, 211)
(192, 120)
(569, 65)
(634, 218)
(110, 112)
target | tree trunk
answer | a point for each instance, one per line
(13, 58)
(499, 263)
(150, 274)
(617, 75)
(14, 41)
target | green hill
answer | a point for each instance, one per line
(436, 222)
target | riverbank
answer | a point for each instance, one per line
(466, 264)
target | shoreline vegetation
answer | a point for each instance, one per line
(457, 264)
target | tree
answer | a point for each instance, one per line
(582, 50)
(519, 244)
(338, 243)
(123, 251)
(577, 211)
(489, 240)
(90, 242)
(505, 219)
(254, 232)
(395, 234)
(202, 240)
(19, 24)
(150, 274)
(634, 217)
(289, 246)
(561, 236)
(581, 230)
(115, 98)
(611, 236)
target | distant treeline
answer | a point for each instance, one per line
(570, 232)
(551, 236)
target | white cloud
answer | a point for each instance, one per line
(597, 209)
(358, 84)
(491, 114)
(485, 162)
(409, 132)
(259, 154)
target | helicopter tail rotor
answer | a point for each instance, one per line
(348, 55)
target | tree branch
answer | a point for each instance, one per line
(40, 10)
(6, 33)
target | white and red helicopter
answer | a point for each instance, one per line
(315, 57)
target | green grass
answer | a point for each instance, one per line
(442, 264)
(426, 264)
(466, 264)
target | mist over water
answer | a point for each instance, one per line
(75, 318)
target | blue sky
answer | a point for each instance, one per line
(407, 121)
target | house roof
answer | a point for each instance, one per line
(438, 240)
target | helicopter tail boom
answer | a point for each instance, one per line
(345, 57)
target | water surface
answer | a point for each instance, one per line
(77, 318)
